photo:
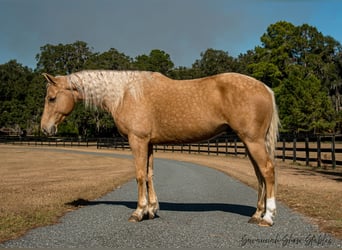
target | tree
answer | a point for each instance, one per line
(303, 103)
(63, 59)
(111, 60)
(214, 62)
(35, 94)
(266, 72)
(183, 73)
(244, 60)
(303, 67)
(20, 94)
(157, 60)
(284, 46)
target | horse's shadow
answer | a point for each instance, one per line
(171, 206)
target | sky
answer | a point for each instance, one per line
(181, 28)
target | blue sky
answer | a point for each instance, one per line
(182, 28)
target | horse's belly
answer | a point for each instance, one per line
(186, 132)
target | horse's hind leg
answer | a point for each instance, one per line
(153, 204)
(257, 216)
(262, 161)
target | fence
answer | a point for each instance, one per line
(49, 141)
(320, 151)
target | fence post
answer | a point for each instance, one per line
(235, 147)
(307, 151)
(284, 145)
(333, 159)
(319, 151)
(226, 140)
(208, 147)
(217, 147)
(294, 150)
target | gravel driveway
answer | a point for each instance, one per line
(200, 207)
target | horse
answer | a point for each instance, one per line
(149, 108)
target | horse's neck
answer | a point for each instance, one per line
(88, 86)
(106, 89)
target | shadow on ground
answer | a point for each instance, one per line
(172, 206)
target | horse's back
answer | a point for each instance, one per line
(201, 108)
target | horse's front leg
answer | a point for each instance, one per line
(139, 148)
(153, 204)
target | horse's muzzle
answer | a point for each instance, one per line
(49, 131)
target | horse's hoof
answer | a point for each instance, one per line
(264, 223)
(151, 215)
(254, 220)
(134, 218)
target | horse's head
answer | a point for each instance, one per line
(59, 103)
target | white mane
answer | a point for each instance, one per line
(99, 85)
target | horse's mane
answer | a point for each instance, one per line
(99, 85)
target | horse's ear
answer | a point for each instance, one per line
(51, 79)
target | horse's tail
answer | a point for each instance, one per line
(272, 133)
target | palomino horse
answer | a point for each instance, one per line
(149, 108)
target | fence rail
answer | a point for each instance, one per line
(320, 151)
(49, 141)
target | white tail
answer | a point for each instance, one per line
(272, 133)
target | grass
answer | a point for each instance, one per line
(36, 185)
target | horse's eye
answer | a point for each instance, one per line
(52, 99)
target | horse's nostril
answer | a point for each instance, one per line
(53, 130)
(49, 131)
(45, 131)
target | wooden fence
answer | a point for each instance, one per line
(319, 151)
(49, 141)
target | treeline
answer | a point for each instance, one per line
(301, 65)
